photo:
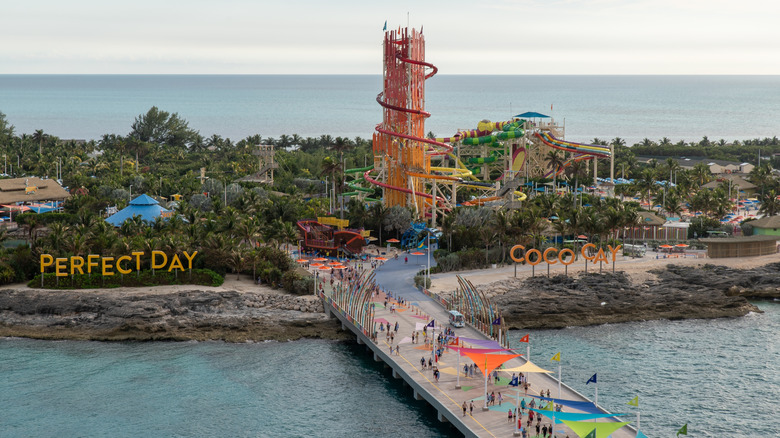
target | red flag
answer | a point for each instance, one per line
(524, 339)
(551, 107)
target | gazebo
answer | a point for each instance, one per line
(145, 206)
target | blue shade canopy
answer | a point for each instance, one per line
(144, 206)
(573, 416)
(531, 115)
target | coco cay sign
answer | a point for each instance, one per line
(64, 266)
(552, 256)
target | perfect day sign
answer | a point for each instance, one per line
(108, 266)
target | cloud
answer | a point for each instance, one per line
(341, 36)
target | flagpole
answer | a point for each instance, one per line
(517, 404)
(484, 371)
(637, 419)
(559, 379)
(457, 384)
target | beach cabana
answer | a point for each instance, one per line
(144, 206)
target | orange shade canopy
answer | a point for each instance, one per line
(488, 362)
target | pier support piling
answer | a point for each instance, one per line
(417, 395)
(441, 417)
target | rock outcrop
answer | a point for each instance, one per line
(186, 315)
(678, 292)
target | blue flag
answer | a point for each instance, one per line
(592, 379)
(430, 324)
(385, 28)
(497, 321)
(514, 381)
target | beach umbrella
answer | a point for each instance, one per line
(417, 253)
(316, 265)
(381, 259)
(339, 267)
(320, 259)
(582, 236)
(393, 241)
(302, 260)
(681, 245)
(334, 263)
(324, 268)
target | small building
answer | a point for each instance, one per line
(648, 228)
(144, 206)
(31, 190)
(766, 226)
(738, 185)
(749, 246)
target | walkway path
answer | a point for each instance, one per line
(396, 277)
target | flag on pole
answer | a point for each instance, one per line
(497, 321)
(385, 28)
(430, 324)
(683, 430)
(557, 357)
(514, 381)
(524, 339)
(634, 402)
(592, 379)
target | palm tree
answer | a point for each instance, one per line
(289, 233)
(332, 168)
(770, 205)
(554, 162)
(39, 137)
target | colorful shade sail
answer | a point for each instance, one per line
(489, 362)
(528, 367)
(603, 430)
(573, 416)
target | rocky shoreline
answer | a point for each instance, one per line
(676, 292)
(110, 315)
(673, 292)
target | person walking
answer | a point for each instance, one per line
(471, 408)
(464, 409)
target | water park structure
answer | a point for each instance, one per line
(330, 237)
(491, 163)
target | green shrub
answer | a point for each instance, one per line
(202, 277)
(297, 284)
(421, 281)
(7, 274)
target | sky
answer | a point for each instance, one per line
(344, 37)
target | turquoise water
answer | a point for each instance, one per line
(715, 375)
(305, 388)
(719, 376)
(631, 107)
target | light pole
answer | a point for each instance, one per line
(131, 192)
(428, 272)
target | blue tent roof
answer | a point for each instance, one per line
(144, 206)
(531, 115)
(144, 200)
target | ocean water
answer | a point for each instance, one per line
(630, 107)
(212, 389)
(715, 375)
(721, 376)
